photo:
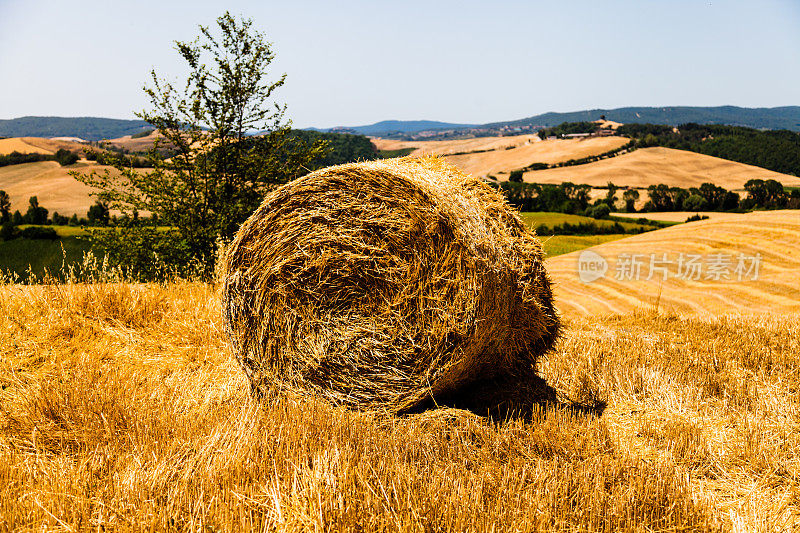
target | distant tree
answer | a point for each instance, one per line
(712, 194)
(36, 214)
(611, 195)
(515, 176)
(73, 220)
(59, 220)
(98, 214)
(756, 191)
(8, 231)
(601, 210)
(776, 194)
(65, 157)
(17, 218)
(730, 201)
(695, 202)
(5, 207)
(630, 196)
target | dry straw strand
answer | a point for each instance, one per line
(387, 285)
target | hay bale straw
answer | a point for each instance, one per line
(384, 284)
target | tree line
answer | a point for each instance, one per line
(38, 215)
(63, 157)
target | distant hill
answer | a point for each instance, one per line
(88, 128)
(388, 127)
(773, 118)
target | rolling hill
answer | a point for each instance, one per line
(764, 285)
(38, 145)
(650, 166)
(501, 155)
(51, 183)
(89, 128)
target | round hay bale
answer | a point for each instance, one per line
(386, 284)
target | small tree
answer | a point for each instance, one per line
(65, 157)
(98, 214)
(5, 207)
(219, 172)
(17, 218)
(600, 211)
(630, 196)
(36, 214)
(695, 203)
(515, 176)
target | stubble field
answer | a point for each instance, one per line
(121, 407)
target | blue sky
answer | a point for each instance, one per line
(353, 62)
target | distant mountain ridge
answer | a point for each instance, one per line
(773, 118)
(88, 128)
(787, 117)
(385, 127)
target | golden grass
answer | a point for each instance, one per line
(680, 216)
(775, 235)
(121, 407)
(651, 166)
(51, 184)
(18, 144)
(506, 153)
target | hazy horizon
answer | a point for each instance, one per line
(359, 63)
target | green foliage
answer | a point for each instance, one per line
(39, 233)
(65, 157)
(8, 231)
(695, 202)
(601, 211)
(515, 176)
(339, 147)
(143, 133)
(36, 214)
(17, 218)
(389, 154)
(219, 172)
(564, 198)
(568, 127)
(98, 214)
(5, 207)
(16, 158)
(89, 128)
(630, 196)
(59, 220)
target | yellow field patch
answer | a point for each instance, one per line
(17, 144)
(51, 183)
(651, 166)
(744, 264)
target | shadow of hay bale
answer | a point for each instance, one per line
(379, 285)
(507, 397)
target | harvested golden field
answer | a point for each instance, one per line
(140, 144)
(121, 407)
(506, 153)
(650, 166)
(19, 144)
(51, 184)
(455, 145)
(680, 216)
(38, 145)
(748, 263)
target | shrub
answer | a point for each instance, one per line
(38, 232)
